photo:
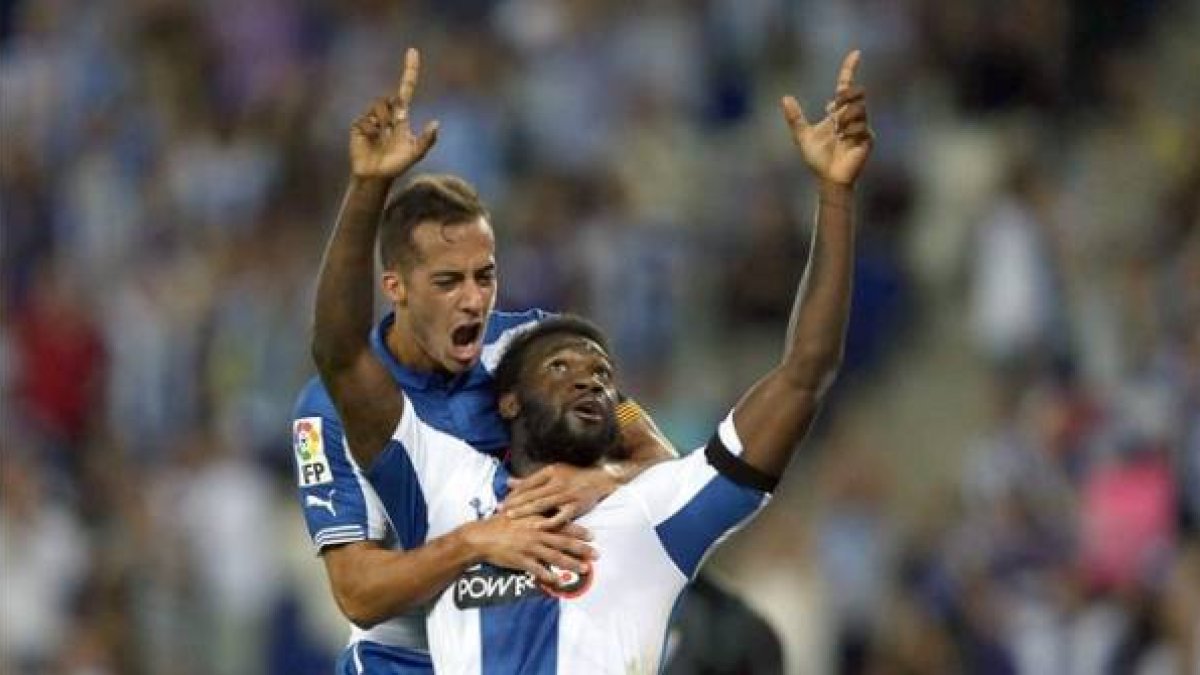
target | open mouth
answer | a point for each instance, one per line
(466, 334)
(589, 409)
(465, 341)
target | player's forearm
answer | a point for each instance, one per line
(376, 584)
(778, 410)
(817, 327)
(345, 295)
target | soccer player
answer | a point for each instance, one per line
(557, 392)
(438, 346)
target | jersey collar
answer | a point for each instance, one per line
(500, 481)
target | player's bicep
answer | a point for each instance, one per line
(369, 404)
(771, 419)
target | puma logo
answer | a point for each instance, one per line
(327, 503)
(480, 511)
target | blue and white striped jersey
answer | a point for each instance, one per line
(339, 504)
(651, 535)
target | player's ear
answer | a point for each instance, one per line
(509, 405)
(394, 288)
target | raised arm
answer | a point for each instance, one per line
(775, 414)
(382, 147)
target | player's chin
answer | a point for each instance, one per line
(457, 361)
(591, 440)
(461, 358)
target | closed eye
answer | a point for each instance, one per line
(446, 282)
(486, 277)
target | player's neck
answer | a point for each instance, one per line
(406, 350)
(520, 464)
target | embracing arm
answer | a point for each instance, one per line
(372, 583)
(774, 416)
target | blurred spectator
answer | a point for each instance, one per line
(61, 360)
(1017, 310)
(44, 554)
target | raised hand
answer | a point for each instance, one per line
(837, 147)
(382, 144)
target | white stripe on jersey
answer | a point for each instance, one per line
(492, 353)
(376, 515)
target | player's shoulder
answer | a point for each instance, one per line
(501, 323)
(314, 401)
(502, 328)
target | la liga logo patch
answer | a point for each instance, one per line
(308, 442)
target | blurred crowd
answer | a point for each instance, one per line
(169, 168)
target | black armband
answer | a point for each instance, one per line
(736, 469)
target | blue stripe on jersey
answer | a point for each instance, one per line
(520, 637)
(715, 509)
(504, 629)
(347, 519)
(395, 481)
(377, 659)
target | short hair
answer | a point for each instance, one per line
(439, 198)
(508, 371)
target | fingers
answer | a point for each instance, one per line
(565, 514)
(846, 73)
(575, 531)
(850, 116)
(521, 485)
(427, 138)
(408, 82)
(536, 569)
(526, 491)
(580, 550)
(793, 113)
(853, 94)
(537, 502)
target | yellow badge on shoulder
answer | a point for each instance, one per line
(312, 468)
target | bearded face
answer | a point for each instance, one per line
(575, 433)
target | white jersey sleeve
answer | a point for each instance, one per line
(693, 506)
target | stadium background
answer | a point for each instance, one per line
(1007, 478)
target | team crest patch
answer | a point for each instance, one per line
(308, 441)
(571, 584)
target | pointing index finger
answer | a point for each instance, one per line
(408, 83)
(846, 74)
